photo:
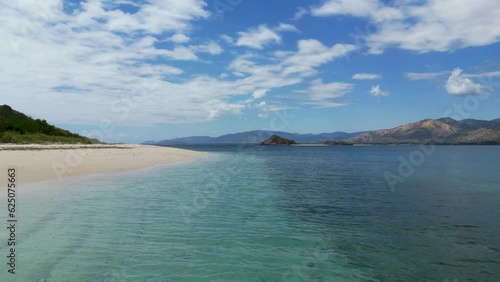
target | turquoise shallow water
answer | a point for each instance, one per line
(271, 214)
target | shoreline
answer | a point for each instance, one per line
(41, 163)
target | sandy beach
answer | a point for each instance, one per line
(36, 163)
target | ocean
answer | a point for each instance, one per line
(255, 213)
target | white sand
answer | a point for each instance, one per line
(51, 162)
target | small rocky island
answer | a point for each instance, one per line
(277, 140)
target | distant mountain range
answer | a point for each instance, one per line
(427, 131)
(255, 137)
(439, 131)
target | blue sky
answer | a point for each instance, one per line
(130, 71)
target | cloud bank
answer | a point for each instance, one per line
(421, 26)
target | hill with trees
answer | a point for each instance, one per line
(18, 128)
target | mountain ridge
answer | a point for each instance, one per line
(435, 131)
(444, 130)
(257, 136)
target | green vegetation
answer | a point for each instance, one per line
(277, 140)
(16, 127)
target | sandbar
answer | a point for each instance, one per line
(35, 163)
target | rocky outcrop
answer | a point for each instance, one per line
(277, 140)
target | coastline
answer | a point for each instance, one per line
(40, 163)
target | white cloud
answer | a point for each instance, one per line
(259, 93)
(179, 38)
(484, 74)
(77, 64)
(286, 27)
(268, 109)
(441, 26)
(157, 17)
(366, 76)
(301, 12)
(211, 48)
(179, 53)
(76, 69)
(459, 85)
(262, 35)
(258, 37)
(323, 95)
(358, 8)
(321, 91)
(228, 39)
(377, 92)
(157, 70)
(292, 68)
(422, 26)
(303, 63)
(219, 108)
(425, 75)
(313, 53)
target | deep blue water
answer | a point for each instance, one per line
(252, 213)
